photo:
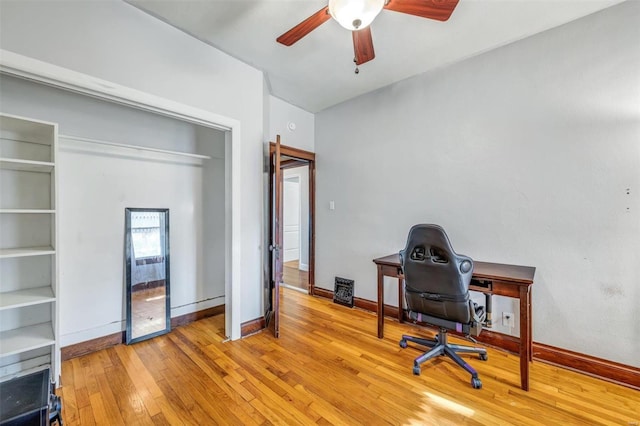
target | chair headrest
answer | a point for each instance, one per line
(430, 242)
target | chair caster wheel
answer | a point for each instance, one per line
(484, 357)
(476, 383)
(416, 370)
(403, 343)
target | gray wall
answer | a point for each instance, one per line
(528, 154)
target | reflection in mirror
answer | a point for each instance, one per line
(147, 273)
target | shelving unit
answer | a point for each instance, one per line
(28, 238)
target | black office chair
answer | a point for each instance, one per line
(436, 286)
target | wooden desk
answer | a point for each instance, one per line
(493, 278)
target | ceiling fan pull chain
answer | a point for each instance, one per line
(357, 70)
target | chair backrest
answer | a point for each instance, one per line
(436, 279)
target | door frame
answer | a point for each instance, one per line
(299, 158)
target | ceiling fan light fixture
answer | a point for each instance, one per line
(355, 14)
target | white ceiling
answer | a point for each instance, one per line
(318, 71)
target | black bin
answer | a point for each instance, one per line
(24, 400)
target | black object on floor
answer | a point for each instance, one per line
(24, 400)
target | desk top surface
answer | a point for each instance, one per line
(481, 270)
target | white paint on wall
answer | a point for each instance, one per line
(282, 116)
(523, 155)
(118, 43)
(291, 218)
(301, 174)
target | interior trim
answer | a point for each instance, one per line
(195, 316)
(291, 164)
(252, 326)
(110, 340)
(93, 345)
(358, 302)
(615, 372)
(290, 151)
(600, 368)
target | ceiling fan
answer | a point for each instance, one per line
(357, 15)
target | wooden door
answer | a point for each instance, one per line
(272, 317)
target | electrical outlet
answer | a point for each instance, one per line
(508, 320)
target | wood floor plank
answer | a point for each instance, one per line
(160, 420)
(78, 376)
(329, 412)
(113, 413)
(185, 409)
(129, 399)
(210, 387)
(328, 367)
(146, 388)
(96, 366)
(97, 408)
(86, 415)
(175, 385)
(223, 394)
(69, 409)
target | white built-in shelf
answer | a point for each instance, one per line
(26, 165)
(26, 338)
(27, 211)
(26, 130)
(28, 297)
(26, 251)
(43, 211)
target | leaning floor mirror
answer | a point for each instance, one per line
(147, 273)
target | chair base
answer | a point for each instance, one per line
(439, 346)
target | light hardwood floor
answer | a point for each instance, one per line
(295, 277)
(328, 367)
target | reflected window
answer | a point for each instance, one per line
(145, 237)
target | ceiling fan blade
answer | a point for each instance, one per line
(305, 27)
(363, 46)
(440, 10)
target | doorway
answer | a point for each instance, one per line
(293, 166)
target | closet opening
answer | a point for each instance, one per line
(119, 148)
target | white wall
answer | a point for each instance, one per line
(96, 184)
(291, 218)
(281, 114)
(114, 41)
(528, 155)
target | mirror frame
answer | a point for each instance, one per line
(128, 260)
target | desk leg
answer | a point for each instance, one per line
(525, 336)
(380, 303)
(530, 325)
(400, 300)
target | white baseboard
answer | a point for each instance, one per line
(303, 266)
